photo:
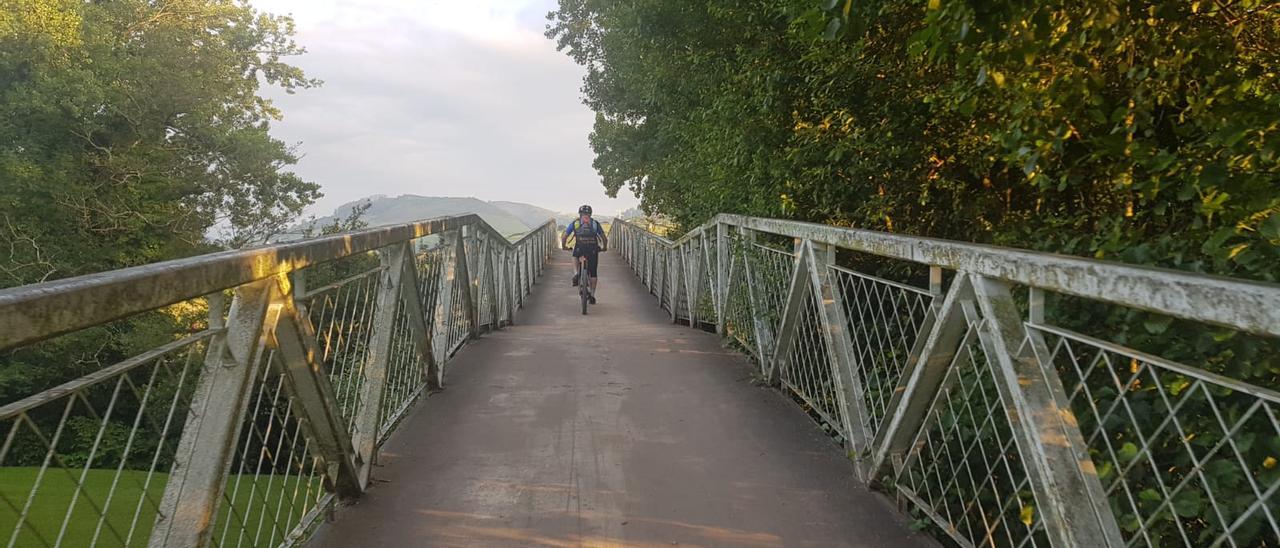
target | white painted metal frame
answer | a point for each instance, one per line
(299, 387)
(901, 363)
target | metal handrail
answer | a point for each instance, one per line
(253, 425)
(1246, 305)
(32, 312)
(999, 427)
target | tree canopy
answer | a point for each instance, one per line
(129, 129)
(1144, 132)
(1148, 133)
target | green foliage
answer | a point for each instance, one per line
(335, 271)
(1147, 133)
(133, 505)
(128, 129)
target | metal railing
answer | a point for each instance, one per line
(243, 430)
(960, 380)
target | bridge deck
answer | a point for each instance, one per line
(615, 429)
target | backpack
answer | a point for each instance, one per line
(586, 234)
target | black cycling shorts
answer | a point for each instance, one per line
(592, 253)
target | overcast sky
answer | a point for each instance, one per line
(438, 98)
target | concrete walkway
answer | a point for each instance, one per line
(614, 429)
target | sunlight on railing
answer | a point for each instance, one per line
(238, 416)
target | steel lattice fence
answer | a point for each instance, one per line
(991, 424)
(201, 423)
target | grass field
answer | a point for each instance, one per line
(264, 511)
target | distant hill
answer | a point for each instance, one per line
(531, 215)
(385, 210)
(508, 218)
(535, 216)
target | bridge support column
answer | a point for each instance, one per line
(313, 396)
(479, 281)
(513, 286)
(545, 250)
(707, 270)
(218, 406)
(497, 265)
(689, 275)
(517, 271)
(721, 286)
(763, 332)
(399, 286)
(662, 257)
(415, 307)
(835, 333)
(1073, 504)
(525, 269)
(676, 274)
(694, 281)
(789, 325)
(444, 308)
(527, 286)
(463, 272)
(940, 334)
(505, 285)
(650, 257)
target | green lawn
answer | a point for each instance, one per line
(257, 509)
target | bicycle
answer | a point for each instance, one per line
(584, 280)
(584, 284)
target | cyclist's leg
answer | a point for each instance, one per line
(593, 266)
(577, 265)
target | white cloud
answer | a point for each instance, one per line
(446, 98)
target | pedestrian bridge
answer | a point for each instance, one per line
(756, 382)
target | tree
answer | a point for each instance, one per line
(128, 129)
(1146, 135)
(1142, 132)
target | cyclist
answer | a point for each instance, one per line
(589, 241)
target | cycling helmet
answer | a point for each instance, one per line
(584, 210)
